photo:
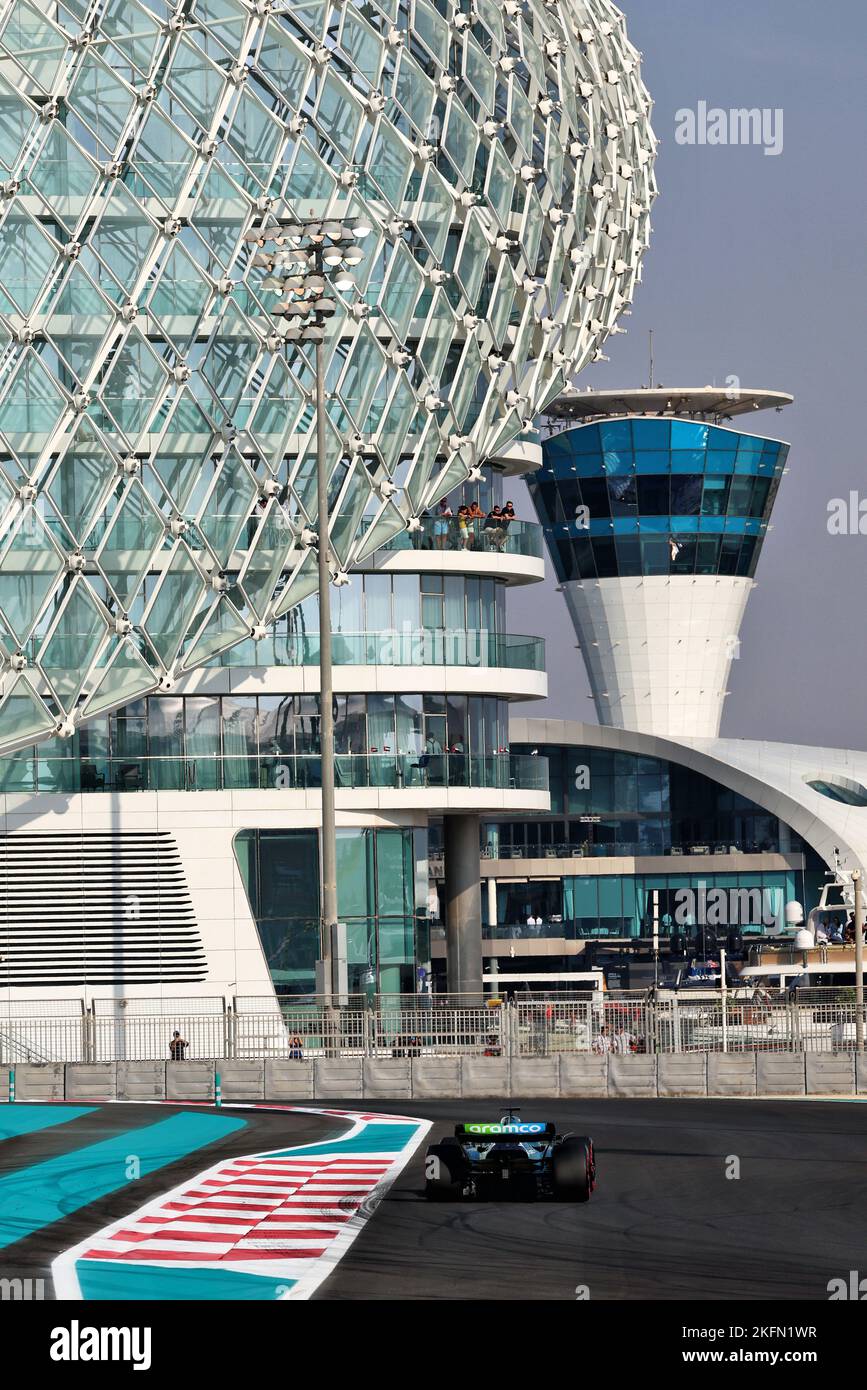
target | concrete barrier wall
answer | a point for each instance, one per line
(731, 1074)
(141, 1080)
(190, 1080)
(634, 1077)
(431, 1078)
(830, 1075)
(435, 1077)
(91, 1081)
(485, 1077)
(535, 1076)
(241, 1080)
(285, 1080)
(338, 1079)
(780, 1074)
(583, 1075)
(682, 1074)
(389, 1079)
(39, 1081)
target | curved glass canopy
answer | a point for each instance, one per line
(153, 419)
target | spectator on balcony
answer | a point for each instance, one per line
(474, 516)
(442, 522)
(463, 528)
(434, 763)
(458, 764)
(508, 514)
(494, 529)
(177, 1047)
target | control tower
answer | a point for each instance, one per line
(655, 503)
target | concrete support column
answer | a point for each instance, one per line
(492, 902)
(463, 905)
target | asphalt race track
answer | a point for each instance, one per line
(90, 1148)
(663, 1223)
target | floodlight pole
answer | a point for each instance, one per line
(328, 918)
(859, 962)
(315, 233)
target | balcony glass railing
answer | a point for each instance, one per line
(539, 931)
(443, 534)
(411, 647)
(292, 772)
(622, 849)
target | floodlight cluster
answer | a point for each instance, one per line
(157, 388)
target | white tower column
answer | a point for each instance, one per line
(658, 649)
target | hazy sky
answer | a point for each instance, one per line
(756, 269)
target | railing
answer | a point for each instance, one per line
(408, 647)
(593, 1024)
(445, 534)
(631, 849)
(276, 771)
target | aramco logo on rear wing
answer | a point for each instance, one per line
(503, 1129)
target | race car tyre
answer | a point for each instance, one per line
(574, 1169)
(445, 1178)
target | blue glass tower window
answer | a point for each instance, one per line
(649, 496)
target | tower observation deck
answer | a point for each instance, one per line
(655, 503)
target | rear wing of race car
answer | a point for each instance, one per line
(534, 1133)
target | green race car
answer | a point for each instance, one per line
(508, 1158)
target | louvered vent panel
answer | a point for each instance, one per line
(94, 908)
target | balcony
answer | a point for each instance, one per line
(436, 534)
(623, 849)
(411, 647)
(275, 772)
(539, 931)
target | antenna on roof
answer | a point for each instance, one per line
(651, 358)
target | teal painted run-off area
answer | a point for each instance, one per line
(34, 1197)
(372, 1139)
(111, 1280)
(29, 1119)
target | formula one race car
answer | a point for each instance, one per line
(510, 1159)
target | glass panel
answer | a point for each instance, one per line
(416, 93)
(401, 291)
(390, 163)
(432, 30)
(461, 139)
(340, 115)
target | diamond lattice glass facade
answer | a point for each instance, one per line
(154, 424)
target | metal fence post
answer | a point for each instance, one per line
(11, 1085)
(90, 1034)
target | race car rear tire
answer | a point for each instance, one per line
(574, 1171)
(446, 1183)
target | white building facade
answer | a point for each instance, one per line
(170, 849)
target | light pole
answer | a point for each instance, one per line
(304, 256)
(859, 962)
